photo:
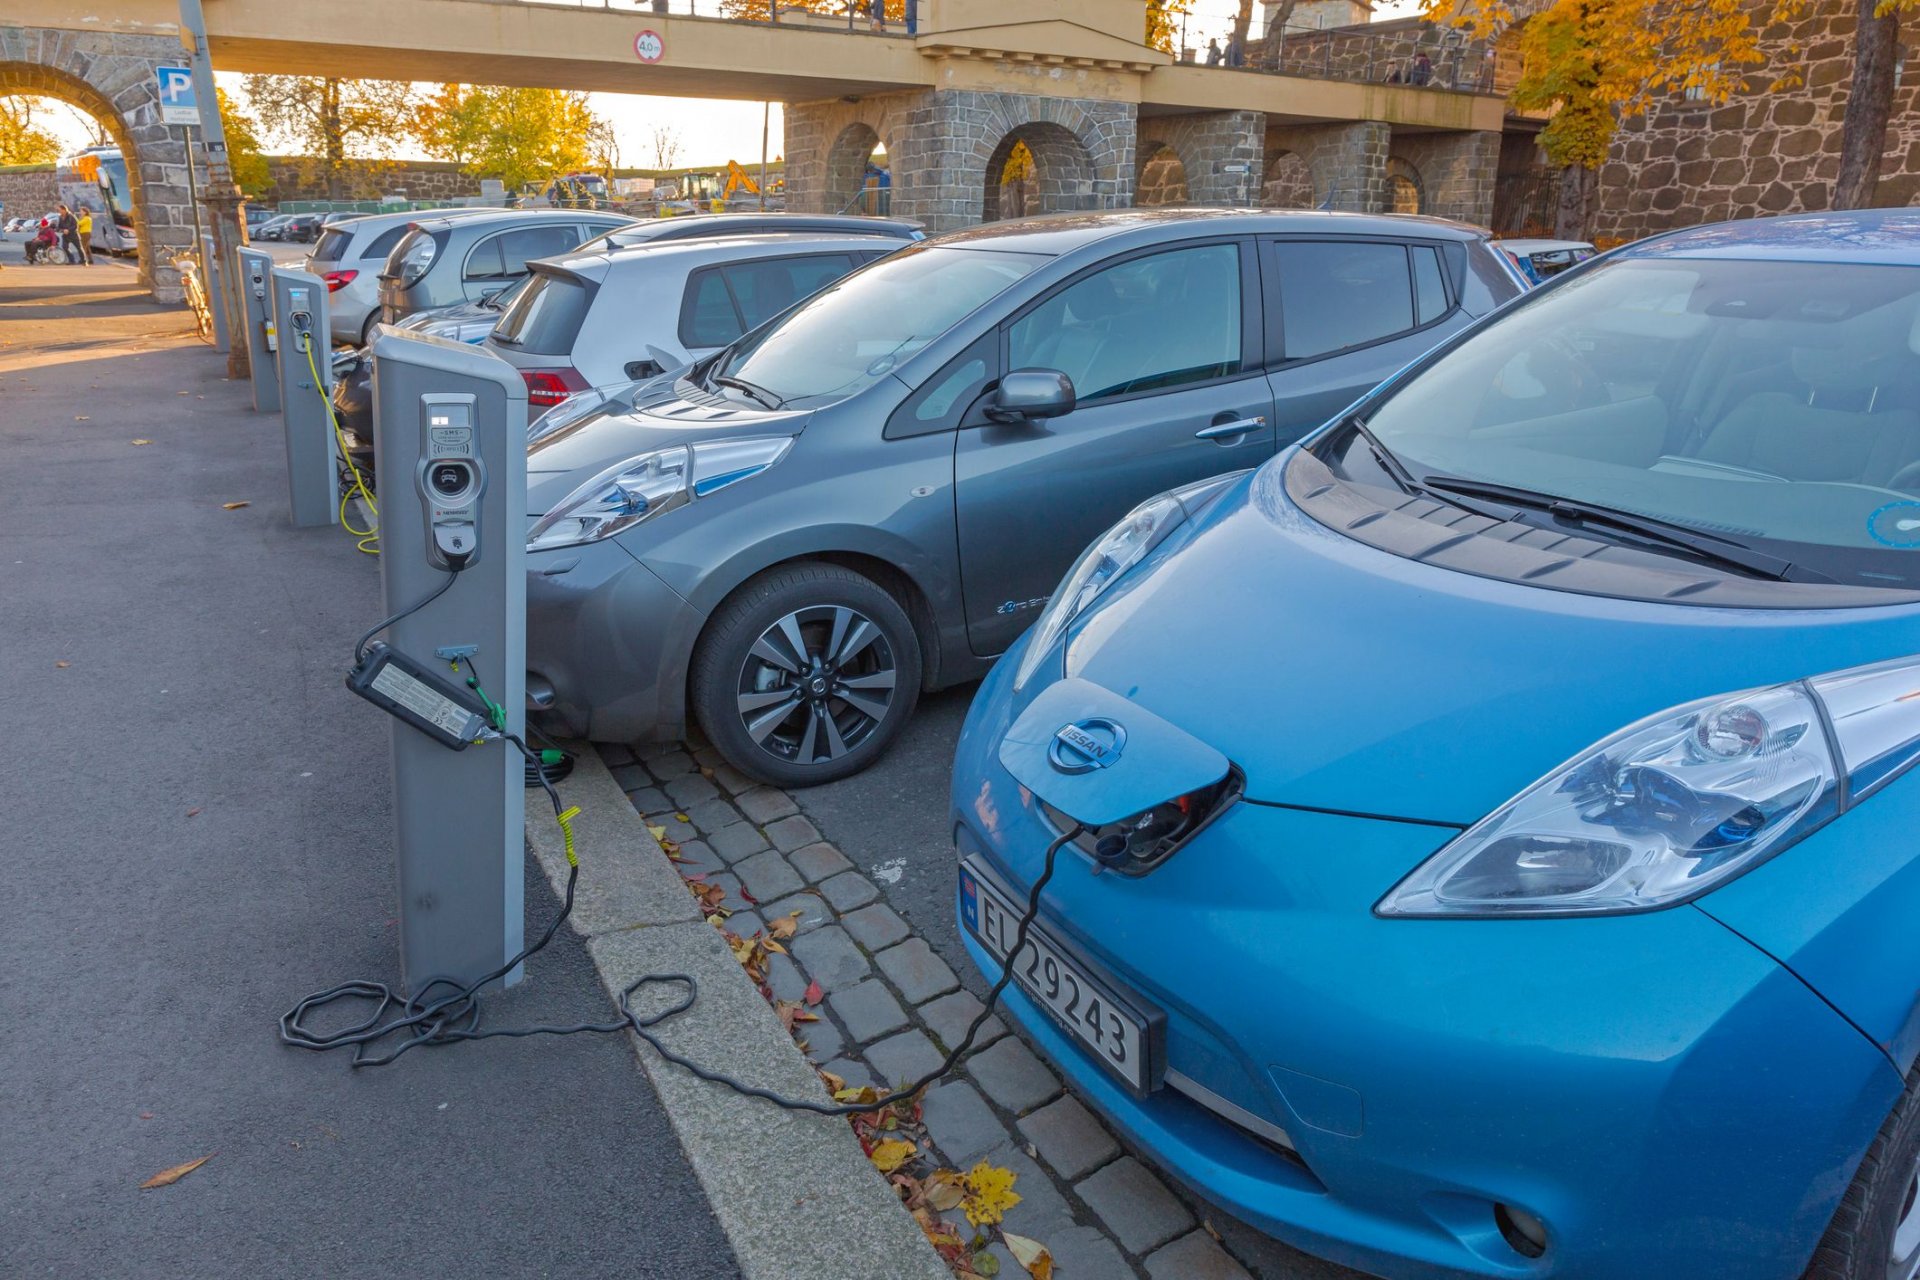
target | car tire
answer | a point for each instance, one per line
(830, 647)
(366, 328)
(1878, 1222)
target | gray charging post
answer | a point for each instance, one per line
(313, 456)
(450, 429)
(256, 295)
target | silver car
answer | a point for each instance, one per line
(445, 261)
(595, 320)
(349, 255)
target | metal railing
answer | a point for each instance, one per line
(1415, 53)
(856, 16)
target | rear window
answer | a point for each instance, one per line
(505, 256)
(382, 245)
(333, 245)
(724, 302)
(545, 318)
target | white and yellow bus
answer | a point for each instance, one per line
(96, 179)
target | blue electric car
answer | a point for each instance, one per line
(1482, 839)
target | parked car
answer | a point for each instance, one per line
(706, 226)
(875, 493)
(274, 228)
(302, 228)
(602, 319)
(1502, 797)
(1540, 260)
(349, 256)
(444, 261)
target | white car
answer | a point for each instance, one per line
(1539, 260)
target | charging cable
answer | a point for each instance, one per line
(362, 537)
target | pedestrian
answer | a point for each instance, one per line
(877, 10)
(1213, 52)
(68, 229)
(1422, 71)
(913, 17)
(84, 227)
(1236, 52)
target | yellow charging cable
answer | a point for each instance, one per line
(362, 536)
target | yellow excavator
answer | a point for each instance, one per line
(738, 179)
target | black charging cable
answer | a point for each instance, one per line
(360, 647)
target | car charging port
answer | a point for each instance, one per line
(1136, 845)
(1525, 1234)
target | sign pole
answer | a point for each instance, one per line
(222, 198)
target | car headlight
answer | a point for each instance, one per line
(1674, 806)
(1111, 555)
(641, 488)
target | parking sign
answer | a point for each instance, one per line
(178, 104)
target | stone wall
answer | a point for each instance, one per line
(1764, 151)
(28, 193)
(1347, 163)
(306, 178)
(1219, 158)
(1455, 173)
(1384, 52)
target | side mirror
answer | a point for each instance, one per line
(1028, 395)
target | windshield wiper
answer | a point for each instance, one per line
(1385, 457)
(1705, 546)
(760, 394)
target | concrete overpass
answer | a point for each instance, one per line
(1106, 118)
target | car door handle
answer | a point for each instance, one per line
(1230, 430)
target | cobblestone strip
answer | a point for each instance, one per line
(892, 1009)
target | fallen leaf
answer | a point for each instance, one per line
(63, 664)
(814, 994)
(681, 817)
(142, 441)
(183, 393)
(945, 1189)
(773, 946)
(167, 1177)
(234, 506)
(989, 1194)
(985, 1264)
(1030, 1254)
(146, 1115)
(705, 772)
(749, 898)
(833, 1082)
(784, 926)
(658, 833)
(81, 417)
(193, 813)
(891, 1154)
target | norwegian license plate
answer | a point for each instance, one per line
(1109, 1026)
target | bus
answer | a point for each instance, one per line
(96, 179)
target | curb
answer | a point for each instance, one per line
(794, 1192)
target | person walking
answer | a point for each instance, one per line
(1213, 52)
(1422, 72)
(67, 227)
(877, 11)
(83, 226)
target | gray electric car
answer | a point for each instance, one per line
(445, 261)
(876, 492)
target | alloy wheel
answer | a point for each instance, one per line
(1904, 1262)
(817, 684)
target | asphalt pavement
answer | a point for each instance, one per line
(196, 816)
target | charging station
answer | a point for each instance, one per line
(256, 276)
(306, 382)
(450, 429)
(216, 283)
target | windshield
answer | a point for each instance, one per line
(860, 329)
(1776, 404)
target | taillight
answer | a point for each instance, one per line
(338, 280)
(548, 387)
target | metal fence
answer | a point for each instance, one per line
(1405, 51)
(898, 17)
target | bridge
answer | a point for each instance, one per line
(1108, 120)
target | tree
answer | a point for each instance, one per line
(21, 140)
(531, 134)
(450, 123)
(665, 142)
(333, 119)
(1163, 22)
(762, 10)
(1590, 62)
(603, 147)
(250, 172)
(1863, 126)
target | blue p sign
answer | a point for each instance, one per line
(178, 104)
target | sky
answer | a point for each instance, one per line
(710, 131)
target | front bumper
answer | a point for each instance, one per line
(1666, 1098)
(610, 642)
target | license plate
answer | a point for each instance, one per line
(1109, 1026)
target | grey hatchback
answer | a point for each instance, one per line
(875, 493)
(445, 261)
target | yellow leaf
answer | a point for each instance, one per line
(63, 664)
(771, 945)
(945, 1190)
(234, 506)
(658, 833)
(891, 1154)
(785, 926)
(143, 441)
(167, 1177)
(1030, 1254)
(989, 1194)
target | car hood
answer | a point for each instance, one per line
(1345, 678)
(677, 413)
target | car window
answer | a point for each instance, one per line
(1146, 324)
(1430, 300)
(708, 317)
(333, 246)
(723, 302)
(545, 317)
(504, 256)
(382, 245)
(1340, 294)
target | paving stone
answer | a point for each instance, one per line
(904, 1058)
(630, 777)
(868, 1009)
(1069, 1138)
(713, 815)
(767, 876)
(875, 927)
(764, 804)
(830, 957)
(792, 832)
(731, 780)
(818, 861)
(691, 790)
(654, 750)
(1043, 1212)
(1194, 1256)
(920, 974)
(813, 911)
(855, 1074)
(1132, 1202)
(649, 801)
(736, 842)
(1086, 1253)
(848, 890)
(696, 857)
(950, 1016)
(615, 754)
(744, 923)
(824, 1041)
(1010, 1075)
(785, 980)
(961, 1123)
(671, 764)
(705, 756)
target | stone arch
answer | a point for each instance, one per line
(1406, 193)
(847, 161)
(1161, 176)
(1061, 175)
(1288, 184)
(111, 77)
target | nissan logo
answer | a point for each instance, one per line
(1086, 745)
